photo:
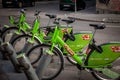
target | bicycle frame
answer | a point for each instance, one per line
(40, 34)
(21, 24)
(57, 39)
(103, 59)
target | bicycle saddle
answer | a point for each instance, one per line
(51, 16)
(68, 21)
(98, 26)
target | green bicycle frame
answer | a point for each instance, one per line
(36, 32)
(21, 24)
(94, 59)
(40, 34)
(56, 39)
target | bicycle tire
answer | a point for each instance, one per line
(71, 60)
(23, 39)
(58, 54)
(7, 30)
(115, 67)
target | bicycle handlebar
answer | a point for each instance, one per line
(37, 13)
(57, 20)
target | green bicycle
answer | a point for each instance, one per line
(41, 37)
(19, 27)
(35, 56)
(100, 60)
(38, 34)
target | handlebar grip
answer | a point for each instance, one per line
(37, 13)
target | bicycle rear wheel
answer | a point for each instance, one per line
(108, 73)
(56, 64)
(9, 34)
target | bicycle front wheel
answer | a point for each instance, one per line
(56, 64)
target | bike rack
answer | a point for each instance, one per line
(27, 47)
(26, 66)
(44, 62)
(10, 52)
(20, 62)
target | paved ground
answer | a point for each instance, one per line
(70, 72)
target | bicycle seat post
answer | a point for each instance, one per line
(67, 25)
(50, 17)
(68, 21)
(97, 27)
(57, 21)
(48, 22)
